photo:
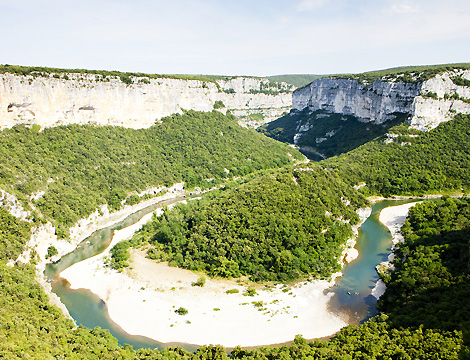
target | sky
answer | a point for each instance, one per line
(234, 37)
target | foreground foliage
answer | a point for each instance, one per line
(280, 226)
(81, 167)
(432, 274)
(32, 328)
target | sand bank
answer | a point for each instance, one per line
(393, 218)
(143, 299)
(43, 236)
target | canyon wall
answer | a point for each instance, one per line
(428, 103)
(53, 99)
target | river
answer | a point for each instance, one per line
(352, 291)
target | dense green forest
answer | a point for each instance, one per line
(434, 162)
(280, 226)
(13, 235)
(82, 167)
(432, 274)
(326, 134)
(437, 255)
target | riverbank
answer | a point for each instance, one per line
(43, 236)
(374, 199)
(393, 218)
(143, 301)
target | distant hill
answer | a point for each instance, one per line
(298, 80)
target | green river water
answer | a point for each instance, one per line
(351, 293)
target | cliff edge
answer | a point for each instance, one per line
(51, 99)
(427, 103)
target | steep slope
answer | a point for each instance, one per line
(51, 97)
(285, 225)
(427, 102)
(368, 106)
(66, 172)
(405, 163)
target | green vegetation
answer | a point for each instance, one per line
(51, 251)
(374, 340)
(434, 162)
(406, 74)
(181, 311)
(31, 327)
(13, 235)
(256, 117)
(104, 75)
(219, 105)
(250, 292)
(298, 80)
(200, 282)
(232, 291)
(81, 167)
(270, 225)
(328, 134)
(458, 80)
(430, 286)
(280, 226)
(427, 313)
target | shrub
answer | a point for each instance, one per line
(250, 292)
(51, 251)
(200, 282)
(181, 311)
(219, 104)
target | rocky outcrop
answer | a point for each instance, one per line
(428, 103)
(51, 100)
(13, 206)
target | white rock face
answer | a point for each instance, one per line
(427, 113)
(85, 99)
(379, 101)
(13, 206)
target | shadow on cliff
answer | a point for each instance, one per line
(321, 134)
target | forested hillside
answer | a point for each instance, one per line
(82, 167)
(280, 226)
(433, 162)
(436, 251)
(320, 134)
(431, 282)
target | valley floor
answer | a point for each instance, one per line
(393, 218)
(143, 301)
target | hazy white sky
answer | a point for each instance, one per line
(237, 37)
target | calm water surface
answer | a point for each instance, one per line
(352, 292)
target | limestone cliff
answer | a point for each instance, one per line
(50, 99)
(428, 103)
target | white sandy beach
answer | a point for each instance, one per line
(143, 300)
(393, 218)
